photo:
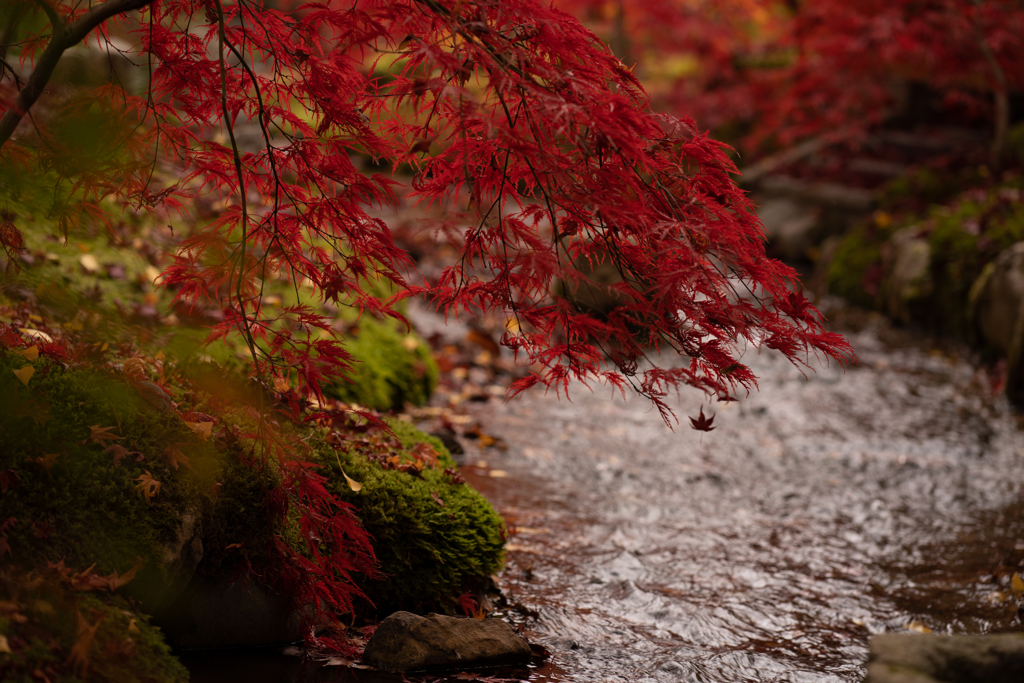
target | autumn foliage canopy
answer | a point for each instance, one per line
(510, 110)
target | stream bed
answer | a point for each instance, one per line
(824, 508)
(827, 506)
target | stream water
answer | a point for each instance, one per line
(828, 506)
(823, 508)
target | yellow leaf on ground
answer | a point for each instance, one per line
(115, 581)
(352, 483)
(30, 354)
(89, 263)
(1017, 586)
(25, 374)
(101, 435)
(38, 335)
(202, 429)
(176, 457)
(917, 627)
(147, 486)
(79, 657)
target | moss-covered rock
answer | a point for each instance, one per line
(79, 450)
(962, 238)
(392, 367)
(66, 635)
(432, 533)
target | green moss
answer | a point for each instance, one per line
(855, 270)
(42, 628)
(392, 368)
(426, 549)
(71, 500)
(964, 238)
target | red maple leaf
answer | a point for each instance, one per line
(702, 424)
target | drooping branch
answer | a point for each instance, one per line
(62, 37)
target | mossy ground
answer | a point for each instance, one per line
(964, 234)
(432, 533)
(63, 635)
(112, 299)
(71, 497)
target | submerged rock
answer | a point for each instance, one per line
(914, 658)
(409, 642)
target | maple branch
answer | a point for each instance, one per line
(63, 37)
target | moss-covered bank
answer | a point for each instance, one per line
(961, 236)
(50, 631)
(433, 534)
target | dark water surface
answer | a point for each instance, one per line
(822, 509)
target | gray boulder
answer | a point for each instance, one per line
(999, 294)
(997, 309)
(408, 642)
(916, 658)
(907, 273)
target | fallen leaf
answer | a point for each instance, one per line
(9, 479)
(120, 453)
(4, 646)
(37, 410)
(352, 483)
(147, 486)
(25, 374)
(917, 627)
(114, 581)
(202, 429)
(1017, 586)
(46, 460)
(79, 657)
(101, 435)
(702, 424)
(89, 263)
(30, 354)
(176, 457)
(437, 498)
(36, 334)
(484, 341)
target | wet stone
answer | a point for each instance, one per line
(914, 658)
(409, 642)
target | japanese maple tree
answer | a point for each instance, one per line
(784, 70)
(508, 110)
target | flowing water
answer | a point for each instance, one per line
(821, 510)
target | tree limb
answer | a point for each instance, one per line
(63, 37)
